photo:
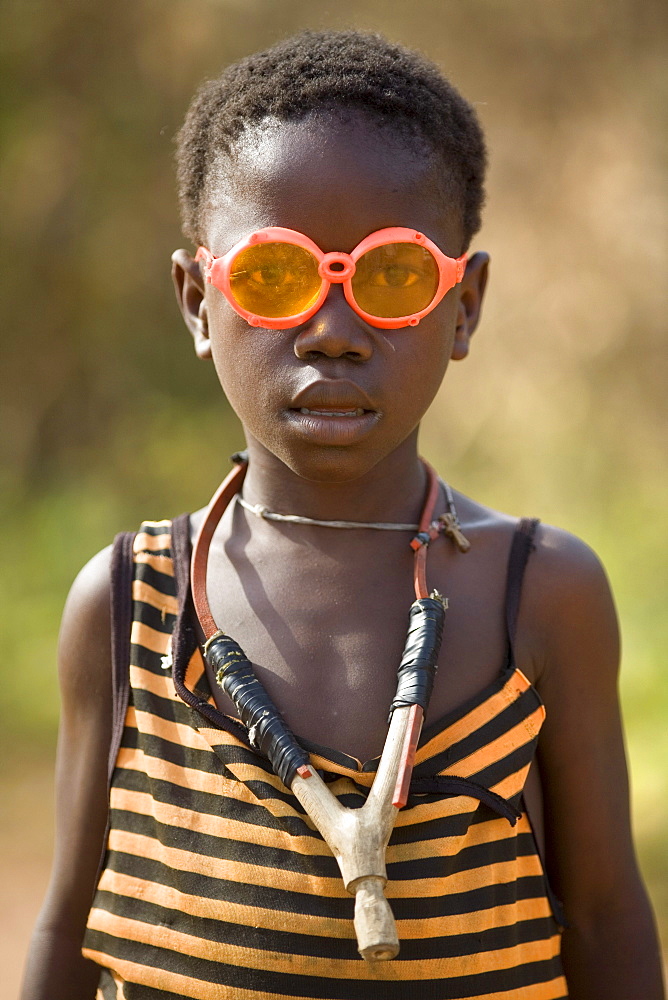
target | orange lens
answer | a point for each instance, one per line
(275, 279)
(396, 279)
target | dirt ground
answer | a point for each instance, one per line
(26, 834)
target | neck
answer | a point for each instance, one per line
(371, 496)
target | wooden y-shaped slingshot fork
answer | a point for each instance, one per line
(356, 837)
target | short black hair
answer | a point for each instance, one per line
(330, 70)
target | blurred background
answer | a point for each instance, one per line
(108, 418)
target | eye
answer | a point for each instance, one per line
(274, 276)
(394, 276)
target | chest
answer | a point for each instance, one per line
(325, 630)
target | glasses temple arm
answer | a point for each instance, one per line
(461, 267)
(207, 258)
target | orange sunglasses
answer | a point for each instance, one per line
(278, 278)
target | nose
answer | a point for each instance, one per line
(336, 331)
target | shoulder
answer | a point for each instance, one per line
(84, 645)
(565, 575)
(555, 550)
(568, 622)
(88, 603)
(564, 562)
(567, 643)
(566, 609)
(561, 567)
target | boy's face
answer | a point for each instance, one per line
(335, 181)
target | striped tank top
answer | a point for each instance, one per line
(215, 884)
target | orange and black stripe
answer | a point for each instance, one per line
(215, 884)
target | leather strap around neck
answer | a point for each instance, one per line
(231, 486)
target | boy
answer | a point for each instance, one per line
(214, 882)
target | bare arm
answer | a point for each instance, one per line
(55, 969)
(610, 947)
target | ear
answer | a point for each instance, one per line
(189, 287)
(471, 292)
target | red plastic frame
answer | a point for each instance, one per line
(217, 273)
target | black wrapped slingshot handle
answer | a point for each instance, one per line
(267, 730)
(417, 670)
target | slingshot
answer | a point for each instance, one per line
(357, 837)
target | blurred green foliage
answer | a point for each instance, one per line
(107, 417)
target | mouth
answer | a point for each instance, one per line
(333, 396)
(333, 412)
(318, 412)
(333, 428)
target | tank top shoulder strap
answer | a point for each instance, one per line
(521, 547)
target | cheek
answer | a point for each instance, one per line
(248, 363)
(244, 372)
(420, 386)
(426, 358)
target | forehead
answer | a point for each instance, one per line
(335, 178)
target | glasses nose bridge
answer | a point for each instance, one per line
(344, 270)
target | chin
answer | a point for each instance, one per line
(331, 465)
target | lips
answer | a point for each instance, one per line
(333, 412)
(333, 396)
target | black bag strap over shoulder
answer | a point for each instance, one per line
(122, 572)
(122, 575)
